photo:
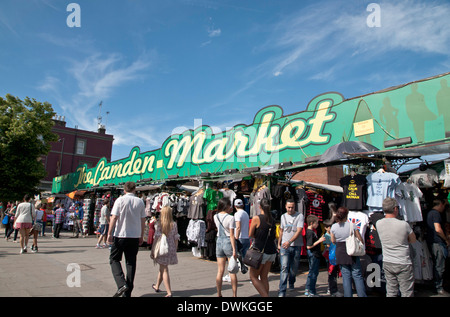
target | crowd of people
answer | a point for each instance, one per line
(122, 229)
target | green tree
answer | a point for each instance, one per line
(25, 136)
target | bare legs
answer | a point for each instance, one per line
(24, 235)
(163, 277)
(260, 279)
(221, 263)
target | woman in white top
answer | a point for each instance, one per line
(225, 244)
(23, 221)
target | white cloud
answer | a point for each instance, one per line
(333, 32)
(214, 32)
(91, 80)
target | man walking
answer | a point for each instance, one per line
(290, 244)
(438, 243)
(126, 234)
(395, 236)
(241, 219)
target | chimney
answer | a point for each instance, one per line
(59, 120)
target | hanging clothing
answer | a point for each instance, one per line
(195, 234)
(212, 197)
(408, 196)
(315, 204)
(196, 207)
(355, 191)
(425, 179)
(379, 186)
(262, 193)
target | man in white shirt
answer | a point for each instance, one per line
(241, 233)
(290, 245)
(126, 234)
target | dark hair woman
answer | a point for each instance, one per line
(350, 265)
(263, 229)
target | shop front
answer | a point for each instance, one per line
(194, 169)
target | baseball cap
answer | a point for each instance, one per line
(238, 203)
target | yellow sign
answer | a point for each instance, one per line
(363, 127)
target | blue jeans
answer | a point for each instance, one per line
(438, 252)
(314, 263)
(289, 261)
(349, 272)
(245, 245)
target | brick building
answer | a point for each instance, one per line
(75, 147)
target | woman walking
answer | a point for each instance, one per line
(263, 229)
(23, 221)
(166, 226)
(350, 265)
(225, 244)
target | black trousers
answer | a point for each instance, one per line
(129, 247)
(58, 227)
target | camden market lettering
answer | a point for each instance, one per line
(270, 133)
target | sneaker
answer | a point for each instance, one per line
(306, 292)
(98, 246)
(226, 278)
(313, 295)
(281, 295)
(337, 294)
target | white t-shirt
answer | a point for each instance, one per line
(104, 214)
(360, 220)
(242, 216)
(227, 221)
(408, 197)
(290, 224)
(130, 210)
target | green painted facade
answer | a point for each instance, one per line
(420, 110)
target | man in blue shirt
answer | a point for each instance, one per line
(78, 221)
(437, 242)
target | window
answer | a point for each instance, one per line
(81, 147)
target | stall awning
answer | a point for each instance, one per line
(442, 147)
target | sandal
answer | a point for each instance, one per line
(157, 290)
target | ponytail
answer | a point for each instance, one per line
(265, 206)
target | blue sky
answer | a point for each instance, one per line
(163, 66)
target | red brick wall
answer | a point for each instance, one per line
(324, 175)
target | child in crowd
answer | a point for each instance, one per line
(314, 254)
(329, 254)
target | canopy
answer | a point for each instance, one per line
(340, 151)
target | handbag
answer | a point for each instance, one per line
(353, 245)
(5, 220)
(253, 257)
(163, 246)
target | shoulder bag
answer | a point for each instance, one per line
(353, 245)
(253, 257)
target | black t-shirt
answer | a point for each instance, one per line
(311, 238)
(432, 218)
(354, 191)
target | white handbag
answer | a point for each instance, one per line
(353, 245)
(164, 246)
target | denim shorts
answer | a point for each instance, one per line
(223, 247)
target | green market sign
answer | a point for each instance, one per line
(420, 110)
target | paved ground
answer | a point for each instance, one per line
(48, 272)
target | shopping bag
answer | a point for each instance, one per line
(353, 245)
(233, 266)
